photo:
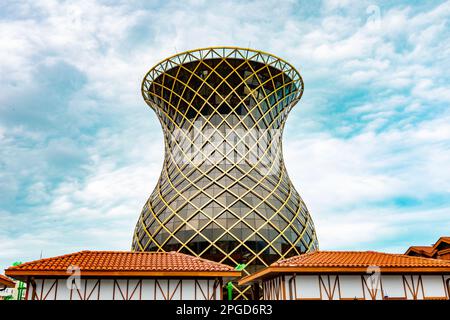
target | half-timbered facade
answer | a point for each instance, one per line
(333, 275)
(110, 275)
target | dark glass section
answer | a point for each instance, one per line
(232, 86)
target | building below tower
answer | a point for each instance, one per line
(353, 275)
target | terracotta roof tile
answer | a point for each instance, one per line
(440, 240)
(426, 250)
(116, 261)
(359, 259)
(5, 281)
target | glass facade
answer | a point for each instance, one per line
(224, 193)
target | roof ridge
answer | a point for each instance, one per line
(202, 259)
(402, 255)
(130, 252)
(123, 251)
(287, 260)
(376, 252)
(74, 254)
(360, 258)
(427, 259)
(46, 259)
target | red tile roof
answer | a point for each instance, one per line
(5, 281)
(424, 250)
(351, 262)
(429, 251)
(321, 259)
(121, 263)
(442, 239)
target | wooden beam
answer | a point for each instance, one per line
(22, 274)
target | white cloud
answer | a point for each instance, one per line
(394, 145)
(340, 179)
(382, 229)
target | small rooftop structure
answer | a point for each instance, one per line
(440, 250)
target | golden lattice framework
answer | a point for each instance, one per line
(224, 193)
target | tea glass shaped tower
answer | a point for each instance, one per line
(224, 193)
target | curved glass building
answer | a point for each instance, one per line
(224, 193)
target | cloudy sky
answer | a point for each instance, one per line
(368, 146)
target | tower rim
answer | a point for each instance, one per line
(223, 52)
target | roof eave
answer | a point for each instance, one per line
(8, 284)
(424, 252)
(271, 272)
(440, 240)
(23, 274)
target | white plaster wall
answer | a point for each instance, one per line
(393, 286)
(106, 289)
(307, 287)
(148, 289)
(188, 290)
(123, 289)
(63, 292)
(433, 286)
(351, 287)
